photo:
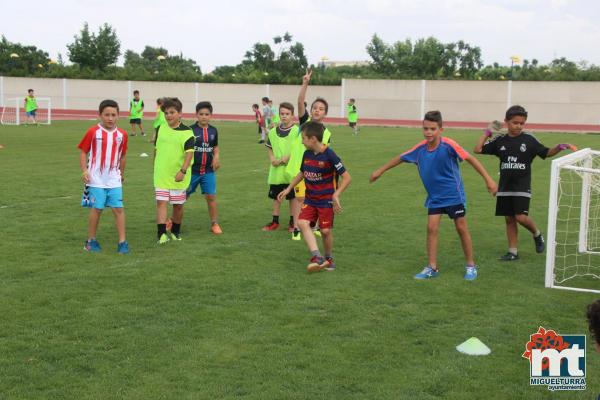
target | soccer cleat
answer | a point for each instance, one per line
(290, 227)
(470, 272)
(92, 245)
(123, 248)
(143, 134)
(540, 245)
(270, 227)
(317, 232)
(427, 273)
(164, 238)
(296, 235)
(317, 264)
(261, 141)
(216, 229)
(330, 264)
(509, 257)
(176, 237)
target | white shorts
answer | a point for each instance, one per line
(173, 196)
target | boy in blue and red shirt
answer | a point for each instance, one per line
(437, 160)
(206, 161)
(320, 170)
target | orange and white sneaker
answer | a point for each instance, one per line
(317, 264)
(216, 229)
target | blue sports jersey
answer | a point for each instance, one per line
(320, 172)
(439, 171)
(205, 141)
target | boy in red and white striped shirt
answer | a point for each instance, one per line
(102, 161)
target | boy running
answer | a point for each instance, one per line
(437, 160)
(206, 161)
(516, 151)
(320, 170)
(173, 155)
(102, 162)
(31, 107)
(279, 147)
(136, 113)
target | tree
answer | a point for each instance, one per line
(95, 51)
(29, 60)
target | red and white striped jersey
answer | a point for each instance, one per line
(104, 150)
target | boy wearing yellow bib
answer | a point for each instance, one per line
(30, 107)
(136, 113)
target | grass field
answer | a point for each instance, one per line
(237, 316)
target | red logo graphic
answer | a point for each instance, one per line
(544, 339)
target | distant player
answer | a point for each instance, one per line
(159, 118)
(173, 156)
(320, 170)
(206, 161)
(267, 114)
(593, 317)
(31, 107)
(136, 113)
(318, 112)
(278, 145)
(276, 120)
(437, 159)
(352, 115)
(102, 162)
(260, 122)
(516, 151)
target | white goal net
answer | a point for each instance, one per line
(13, 112)
(573, 253)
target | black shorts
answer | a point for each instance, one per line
(454, 212)
(135, 121)
(509, 206)
(352, 124)
(274, 191)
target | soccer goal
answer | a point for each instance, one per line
(13, 112)
(573, 252)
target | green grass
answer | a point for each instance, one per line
(237, 316)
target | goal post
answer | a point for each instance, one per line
(573, 250)
(13, 112)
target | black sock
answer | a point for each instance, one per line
(162, 228)
(313, 224)
(291, 220)
(175, 229)
(275, 219)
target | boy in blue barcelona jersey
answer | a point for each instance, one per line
(320, 170)
(206, 161)
(437, 159)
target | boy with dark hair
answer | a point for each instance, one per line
(267, 114)
(516, 151)
(31, 107)
(593, 318)
(352, 115)
(279, 147)
(206, 161)
(318, 111)
(102, 162)
(173, 155)
(320, 170)
(260, 122)
(437, 159)
(159, 118)
(276, 119)
(136, 113)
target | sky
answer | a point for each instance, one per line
(220, 32)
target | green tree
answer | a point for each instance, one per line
(29, 60)
(95, 51)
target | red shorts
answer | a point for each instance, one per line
(322, 214)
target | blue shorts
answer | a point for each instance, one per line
(30, 113)
(454, 212)
(103, 197)
(207, 182)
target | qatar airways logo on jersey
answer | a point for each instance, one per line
(313, 176)
(513, 163)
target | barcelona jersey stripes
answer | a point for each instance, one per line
(320, 172)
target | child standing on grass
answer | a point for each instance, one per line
(516, 151)
(159, 118)
(102, 162)
(279, 148)
(437, 160)
(206, 161)
(260, 122)
(136, 113)
(173, 155)
(320, 170)
(352, 115)
(31, 107)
